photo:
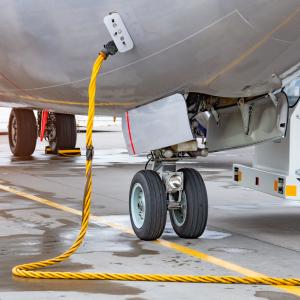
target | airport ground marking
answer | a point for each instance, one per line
(167, 244)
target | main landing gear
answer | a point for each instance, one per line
(182, 192)
(61, 131)
(23, 130)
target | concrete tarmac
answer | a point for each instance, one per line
(252, 231)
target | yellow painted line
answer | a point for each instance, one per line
(252, 49)
(167, 244)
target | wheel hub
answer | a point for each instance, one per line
(51, 131)
(179, 214)
(138, 205)
(14, 131)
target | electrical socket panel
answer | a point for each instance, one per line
(118, 32)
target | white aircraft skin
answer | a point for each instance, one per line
(227, 48)
(198, 57)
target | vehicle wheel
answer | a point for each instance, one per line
(147, 205)
(190, 221)
(64, 133)
(22, 132)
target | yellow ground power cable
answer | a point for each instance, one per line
(30, 270)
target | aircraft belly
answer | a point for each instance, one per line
(228, 49)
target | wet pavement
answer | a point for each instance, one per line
(254, 231)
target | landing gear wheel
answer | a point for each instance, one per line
(190, 221)
(147, 205)
(22, 132)
(64, 134)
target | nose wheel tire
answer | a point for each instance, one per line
(147, 205)
(22, 132)
(190, 220)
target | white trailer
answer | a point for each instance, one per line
(276, 164)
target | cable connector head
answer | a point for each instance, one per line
(89, 153)
(110, 49)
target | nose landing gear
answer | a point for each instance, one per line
(182, 192)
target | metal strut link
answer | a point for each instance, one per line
(246, 111)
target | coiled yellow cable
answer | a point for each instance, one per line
(26, 270)
(29, 270)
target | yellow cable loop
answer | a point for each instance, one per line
(29, 270)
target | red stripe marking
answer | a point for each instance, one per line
(44, 121)
(129, 132)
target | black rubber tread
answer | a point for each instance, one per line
(156, 205)
(26, 132)
(66, 131)
(197, 206)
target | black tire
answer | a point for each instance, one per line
(22, 132)
(194, 222)
(155, 215)
(66, 132)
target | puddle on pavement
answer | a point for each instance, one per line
(37, 248)
(232, 250)
(275, 295)
(135, 250)
(136, 298)
(207, 235)
(214, 235)
(291, 203)
(234, 186)
(238, 207)
(86, 286)
(35, 192)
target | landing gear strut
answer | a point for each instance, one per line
(182, 192)
(22, 132)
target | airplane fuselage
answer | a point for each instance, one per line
(222, 48)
